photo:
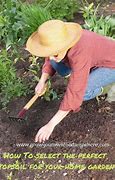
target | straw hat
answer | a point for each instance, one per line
(52, 37)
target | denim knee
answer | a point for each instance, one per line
(61, 68)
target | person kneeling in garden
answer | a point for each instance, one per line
(86, 57)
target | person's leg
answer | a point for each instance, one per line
(98, 78)
(61, 68)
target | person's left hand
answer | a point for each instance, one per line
(44, 133)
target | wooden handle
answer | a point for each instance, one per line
(33, 99)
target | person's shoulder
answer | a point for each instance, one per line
(81, 45)
(89, 34)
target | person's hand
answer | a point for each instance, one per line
(40, 87)
(44, 133)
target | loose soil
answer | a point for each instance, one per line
(94, 124)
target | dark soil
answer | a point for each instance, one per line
(93, 124)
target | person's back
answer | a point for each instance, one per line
(99, 48)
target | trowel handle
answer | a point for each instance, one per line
(34, 98)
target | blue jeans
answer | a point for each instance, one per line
(61, 68)
(98, 78)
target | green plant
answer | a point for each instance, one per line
(60, 9)
(18, 20)
(33, 15)
(34, 68)
(10, 85)
(11, 26)
(100, 24)
(88, 10)
(111, 22)
(50, 93)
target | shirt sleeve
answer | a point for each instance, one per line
(47, 67)
(77, 84)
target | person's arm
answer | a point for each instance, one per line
(58, 117)
(72, 99)
(44, 77)
(47, 67)
(77, 84)
(47, 71)
(45, 132)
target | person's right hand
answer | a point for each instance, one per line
(40, 87)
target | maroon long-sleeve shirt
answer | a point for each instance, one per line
(92, 50)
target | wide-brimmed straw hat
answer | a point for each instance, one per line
(52, 37)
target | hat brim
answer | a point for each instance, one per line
(34, 46)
